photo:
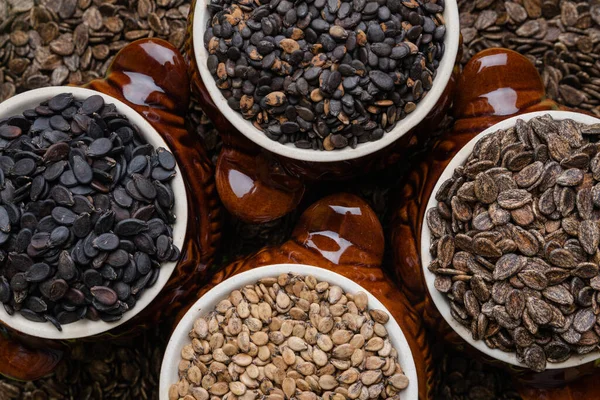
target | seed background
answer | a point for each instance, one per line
(55, 42)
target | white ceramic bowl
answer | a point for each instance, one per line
(424, 107)
(440, 300)
(169, 370)
(84, 328)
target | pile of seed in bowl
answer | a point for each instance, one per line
(85, 212)
(515, 239)
(290, 337)
(325, 74)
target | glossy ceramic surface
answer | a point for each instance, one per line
(249, 177)
(439, 299)
(342, 234)
(477, 107)
(169, 373)
(83, 328)
(150, 76)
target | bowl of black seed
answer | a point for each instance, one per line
(325, 80)
(510, 241)
(93, 213)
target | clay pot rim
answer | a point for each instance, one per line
(169, 370)
(439, 299)
(86, 328)
(424, 107)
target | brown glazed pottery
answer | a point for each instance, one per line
(341, 233)
(151, 77)
(257, 185)
(495, 85)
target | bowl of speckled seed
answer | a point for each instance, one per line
(518, 277)
(364, 351)
(328, 80)
(90, 223)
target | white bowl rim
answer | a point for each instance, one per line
(169, 369)
(439, 299)
(85, 328)
(424, 107)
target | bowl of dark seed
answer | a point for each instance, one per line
(288, 331)
(510, 241)
(88, 227)
(351, 76)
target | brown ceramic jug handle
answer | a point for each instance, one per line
(341, 233)
(26, 358)
(252, 184)
(150, 75)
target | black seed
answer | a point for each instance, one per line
(32, 316)
(38, 272)
(59, 236)
(59, 123)
(10, 132)
(36, 304)
(104, 295)
(118, 258)
(92, 278)
(165, 158)
(99, 147)
(24, 166)
(92, 104)
(144, 186)
(63, 216)
(60, 102)
(106, 242)
(82, 225)
(82, 170)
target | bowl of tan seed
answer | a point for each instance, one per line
(284, 331)
(509, 245)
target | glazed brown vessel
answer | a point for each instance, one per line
(151, 77)
(495, 85)
(341, 233)
(257, 185)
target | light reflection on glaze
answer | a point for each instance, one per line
(503, 101)
(241, 184)
(139, 88)
(494, 60)
(346, 210)
(159, 53)
(330, 255)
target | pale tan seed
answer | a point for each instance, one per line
(296, 343)
(361, 300)
(187, 352)
(369, 378)
(379, 316)
(335, 294)
(374, 362)
(357, 357)
(341, 336)
(289, 357)
(349, 376)
(200, 393)
(237, 388)
(242, 359)
(219, 389)
(319, 357)
(289, 387)
(201, 328)
(194, 375)
(327, 382)
(374, 344)
(399, 381)
(283, 300)
(343, 351)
